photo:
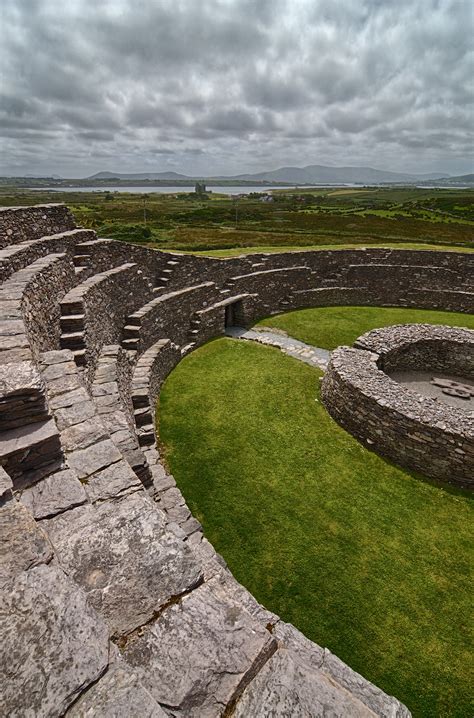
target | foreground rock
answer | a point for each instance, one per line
(22, 543)
(288, 688)
(53, 643)
(201, 652)
(122, 555)
(118, 694)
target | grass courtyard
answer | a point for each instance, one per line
(363, 557)
(330, 327)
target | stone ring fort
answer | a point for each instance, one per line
(113, 602)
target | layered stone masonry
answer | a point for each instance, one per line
(150, 372)
(415, 431)
(93, 313)
(18, 224)
(419, 347)
(166, 316)
(18, 256)
(125, 606)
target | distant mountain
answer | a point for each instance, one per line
(320, 174)
(459, 180)
(137, 176)
(311, 174)
(462, 179)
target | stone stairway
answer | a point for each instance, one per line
(167, 273)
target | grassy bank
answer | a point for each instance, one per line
(363, 557)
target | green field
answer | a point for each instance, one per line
(362, 556)
(330, 327)
(297, 218)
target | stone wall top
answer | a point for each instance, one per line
(18, 224)
(387, 339)
(422, 347)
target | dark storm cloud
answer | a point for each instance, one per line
(235, 85)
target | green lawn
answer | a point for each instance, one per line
(239, 251)
(361, 556)
(330, 327)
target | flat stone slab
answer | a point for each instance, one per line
(23, 544)
(124, 558)
(82, 435)
(112, 481)
(321, 660)
(53, 643)
(118, 694)
(446, 389)
(23, 378)
(286, 687)
(314, 356)
(454, 388)
(200, 653)
(87, 461)
(54, 494)
(25, 437)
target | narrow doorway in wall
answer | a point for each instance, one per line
(233, 314)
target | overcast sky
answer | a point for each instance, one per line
(228, 86)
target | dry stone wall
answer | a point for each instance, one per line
(19, 256)
(112, 599)
(421, 347)
(416, 432)
(94, 312)
(18, 224)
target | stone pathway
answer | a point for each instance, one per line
(314, 356)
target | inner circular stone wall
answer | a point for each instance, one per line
(419, 432)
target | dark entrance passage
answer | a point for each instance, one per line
(233, 313)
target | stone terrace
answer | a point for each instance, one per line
(113, 602)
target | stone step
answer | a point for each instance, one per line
(133, 320)
(143, 417)
(29, 448)
(130, 344)
(72, 340)
(22, 396)
(172, 262)
(72, 323)
(167, 271)
(187, 348)
(131, 331)
(146, 435)
(73, 307)
(81, 260)
(140, 398)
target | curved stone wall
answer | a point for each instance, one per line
(417, 432)
(18, 224)
(421, 347)
(109, 586)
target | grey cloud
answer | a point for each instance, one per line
(235, 85)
